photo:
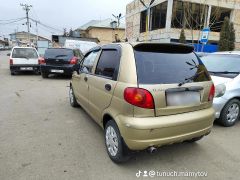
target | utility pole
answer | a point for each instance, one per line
(37, 29)
(26, 8)
(117, 38)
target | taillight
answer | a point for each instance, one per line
(11, 61)
(139, 97)
(41, 60)
(74, 60)
(211, 93)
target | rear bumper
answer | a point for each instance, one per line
(218, 104)
(141, 133)
(19, 67)
(67, 69)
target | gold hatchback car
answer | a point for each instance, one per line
(144, 95)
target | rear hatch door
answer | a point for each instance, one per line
(175, 76)
(24, 56)
(58, 56)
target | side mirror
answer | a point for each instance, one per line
(8, 54)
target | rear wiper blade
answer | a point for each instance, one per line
(190, 78)
(224, 72)
(60, 56)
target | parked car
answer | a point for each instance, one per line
(224, 68)
(60, 61)
(144, 95)
(24, 59)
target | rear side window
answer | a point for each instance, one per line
(160, 67)
(24, 53)
(108, 64)
(59, 53)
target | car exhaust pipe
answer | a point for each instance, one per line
(152, 150)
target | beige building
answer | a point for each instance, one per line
(23, 38)
(166, 18)
(106, 31)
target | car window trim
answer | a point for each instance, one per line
(96, 60)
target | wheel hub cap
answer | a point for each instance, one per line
(111, 141)
(232, 113)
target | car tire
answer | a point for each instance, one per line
(37, 72)
(44, 75)
(230, 113)
(72, 98)
(194, 139)
(12, 73)
(115, 146)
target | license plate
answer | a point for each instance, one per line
(26, 68)
(183, 98)
(57, 71)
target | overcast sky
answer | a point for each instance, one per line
(58, 13)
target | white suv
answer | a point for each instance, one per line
(24, 59)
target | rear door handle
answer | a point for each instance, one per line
(85, 78)
(108, 87)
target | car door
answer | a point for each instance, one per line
(80, 80)
(103, 83)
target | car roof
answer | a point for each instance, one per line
(228, 52)
(24, 47)
(176, 46)
(61, 48)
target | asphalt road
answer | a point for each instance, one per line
(43, 138)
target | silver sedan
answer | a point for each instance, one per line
(224, 68)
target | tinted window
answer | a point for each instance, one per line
(221, 63)
(167, 68)
(108, 64)
(143, 21)
(158, 16)
(59, 53)
(24, 53)
(88, 62)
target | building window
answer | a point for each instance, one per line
(189, 15)
(143, 21)
(177, 15)
(158, 16)
(217, 17)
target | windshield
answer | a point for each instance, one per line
(222, 63)
(168, 68)
(27, 53)
(58, 53)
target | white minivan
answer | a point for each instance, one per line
(24, 59)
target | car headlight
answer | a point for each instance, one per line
(220, 90)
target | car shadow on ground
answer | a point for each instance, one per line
(27, 73)
(51, 76)
(59, 77)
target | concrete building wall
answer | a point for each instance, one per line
(106, 35)
(164, 35)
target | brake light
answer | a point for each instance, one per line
(139, 97)
(41, 60)
(74, 60)
(11, 61)
(211, 93)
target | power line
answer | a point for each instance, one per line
(12, 21)
(46, 26)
